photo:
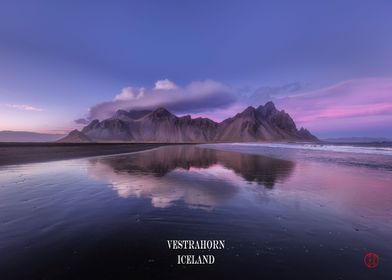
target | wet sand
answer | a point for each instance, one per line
(291, 214)
(18, 153)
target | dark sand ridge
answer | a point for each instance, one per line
(17, 153)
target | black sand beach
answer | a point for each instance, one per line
(18, 153)
(284, 213)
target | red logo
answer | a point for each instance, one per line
(371, 260)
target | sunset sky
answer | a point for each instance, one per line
(327, 63)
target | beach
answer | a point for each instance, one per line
(282, 213)
(18, 153)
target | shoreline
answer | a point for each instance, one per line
(22, 153)
(13, 153)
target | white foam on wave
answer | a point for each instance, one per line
(323, 147)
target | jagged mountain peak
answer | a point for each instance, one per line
(162, 110)
(248, 110)
(269, 105)
(161, 113)
(267, 109)
(306, 134)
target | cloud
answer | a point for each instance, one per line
(129, 93)
(267, 93)
(196, 97)
(348, 104)
(81, 121)
(165, 85)
(24, 107)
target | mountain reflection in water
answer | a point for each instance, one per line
(200, 177)
(109, 217)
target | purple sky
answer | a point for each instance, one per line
(327, 63)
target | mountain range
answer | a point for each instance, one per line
(264, 123)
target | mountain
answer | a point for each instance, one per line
(159, 125)
(264, 123)
(75, 136)
(26, 136)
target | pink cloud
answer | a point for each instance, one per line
(347, 111)
(354, 102)
(24, 107)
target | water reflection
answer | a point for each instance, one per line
(200, 177)
(318, 213)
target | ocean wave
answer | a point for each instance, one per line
(324, 147)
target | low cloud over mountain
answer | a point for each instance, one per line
(359, 104)
(194, 98)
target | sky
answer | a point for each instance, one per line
(327, 63)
